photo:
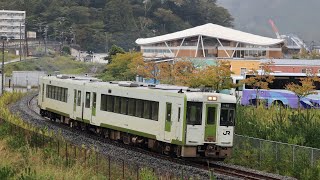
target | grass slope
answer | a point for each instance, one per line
(63, 64)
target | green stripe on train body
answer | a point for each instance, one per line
(58, 112)
(138, 133)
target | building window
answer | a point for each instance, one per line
(307, 71)
(243, 71)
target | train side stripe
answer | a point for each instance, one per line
(151, 136)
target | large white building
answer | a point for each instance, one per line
(209, 43)
(12, 24)
(211, 40)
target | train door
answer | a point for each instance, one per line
(77, 105)
(168, 121)
(179, 123)
(194, 123)
(74, 103)
(87, 107)
(93, 107)
(210, 123)
(171, 118)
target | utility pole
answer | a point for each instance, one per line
(45, 39)
(26, 37)
(20, 43)
(2, 68)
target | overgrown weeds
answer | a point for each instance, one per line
(280, 124)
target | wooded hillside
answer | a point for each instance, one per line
(97, 24)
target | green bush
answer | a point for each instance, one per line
(4, 129)
(16, 142)
(6, 173)
(147, 174)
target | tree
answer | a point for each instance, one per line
(305, 88)
(182, 70)
(151, 71)
(126, 20)
(121, 67)
(66, 50)
(260, 79)
(216, 77)
(114, 50)
(176, 72)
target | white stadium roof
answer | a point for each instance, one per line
(214, 31)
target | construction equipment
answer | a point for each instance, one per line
(292, 41)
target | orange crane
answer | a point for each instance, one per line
(275, 29)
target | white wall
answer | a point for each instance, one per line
(26, 78)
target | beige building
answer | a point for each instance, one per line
(12, 24)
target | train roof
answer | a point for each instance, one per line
(80, 80)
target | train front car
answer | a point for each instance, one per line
(210, 125)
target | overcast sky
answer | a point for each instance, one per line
(300, 17)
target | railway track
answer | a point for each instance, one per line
(221, 170)
(242, 174)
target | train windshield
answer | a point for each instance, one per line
(227, 115)
(194, 113)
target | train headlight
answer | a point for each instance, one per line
(212, 98)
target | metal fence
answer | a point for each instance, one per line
(273, 156)
(105, 165)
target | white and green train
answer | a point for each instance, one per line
(168, 119)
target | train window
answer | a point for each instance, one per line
(94, 102)
(147, 109)
(154, 110)
(231, 116)
(168, 111)
(66, 95)
(194, 113)
(62, 94)
(75, 100)
(124, 105)
(42, 91)
(117, 102)
(50, 91)
(227, 117)
(103, 105)
(58, 92)
(131, 107)
(79, 99)
(211, 116)
(110, 102)
(139, 108)
(47, 91)
(53, 92)
(88, 99)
